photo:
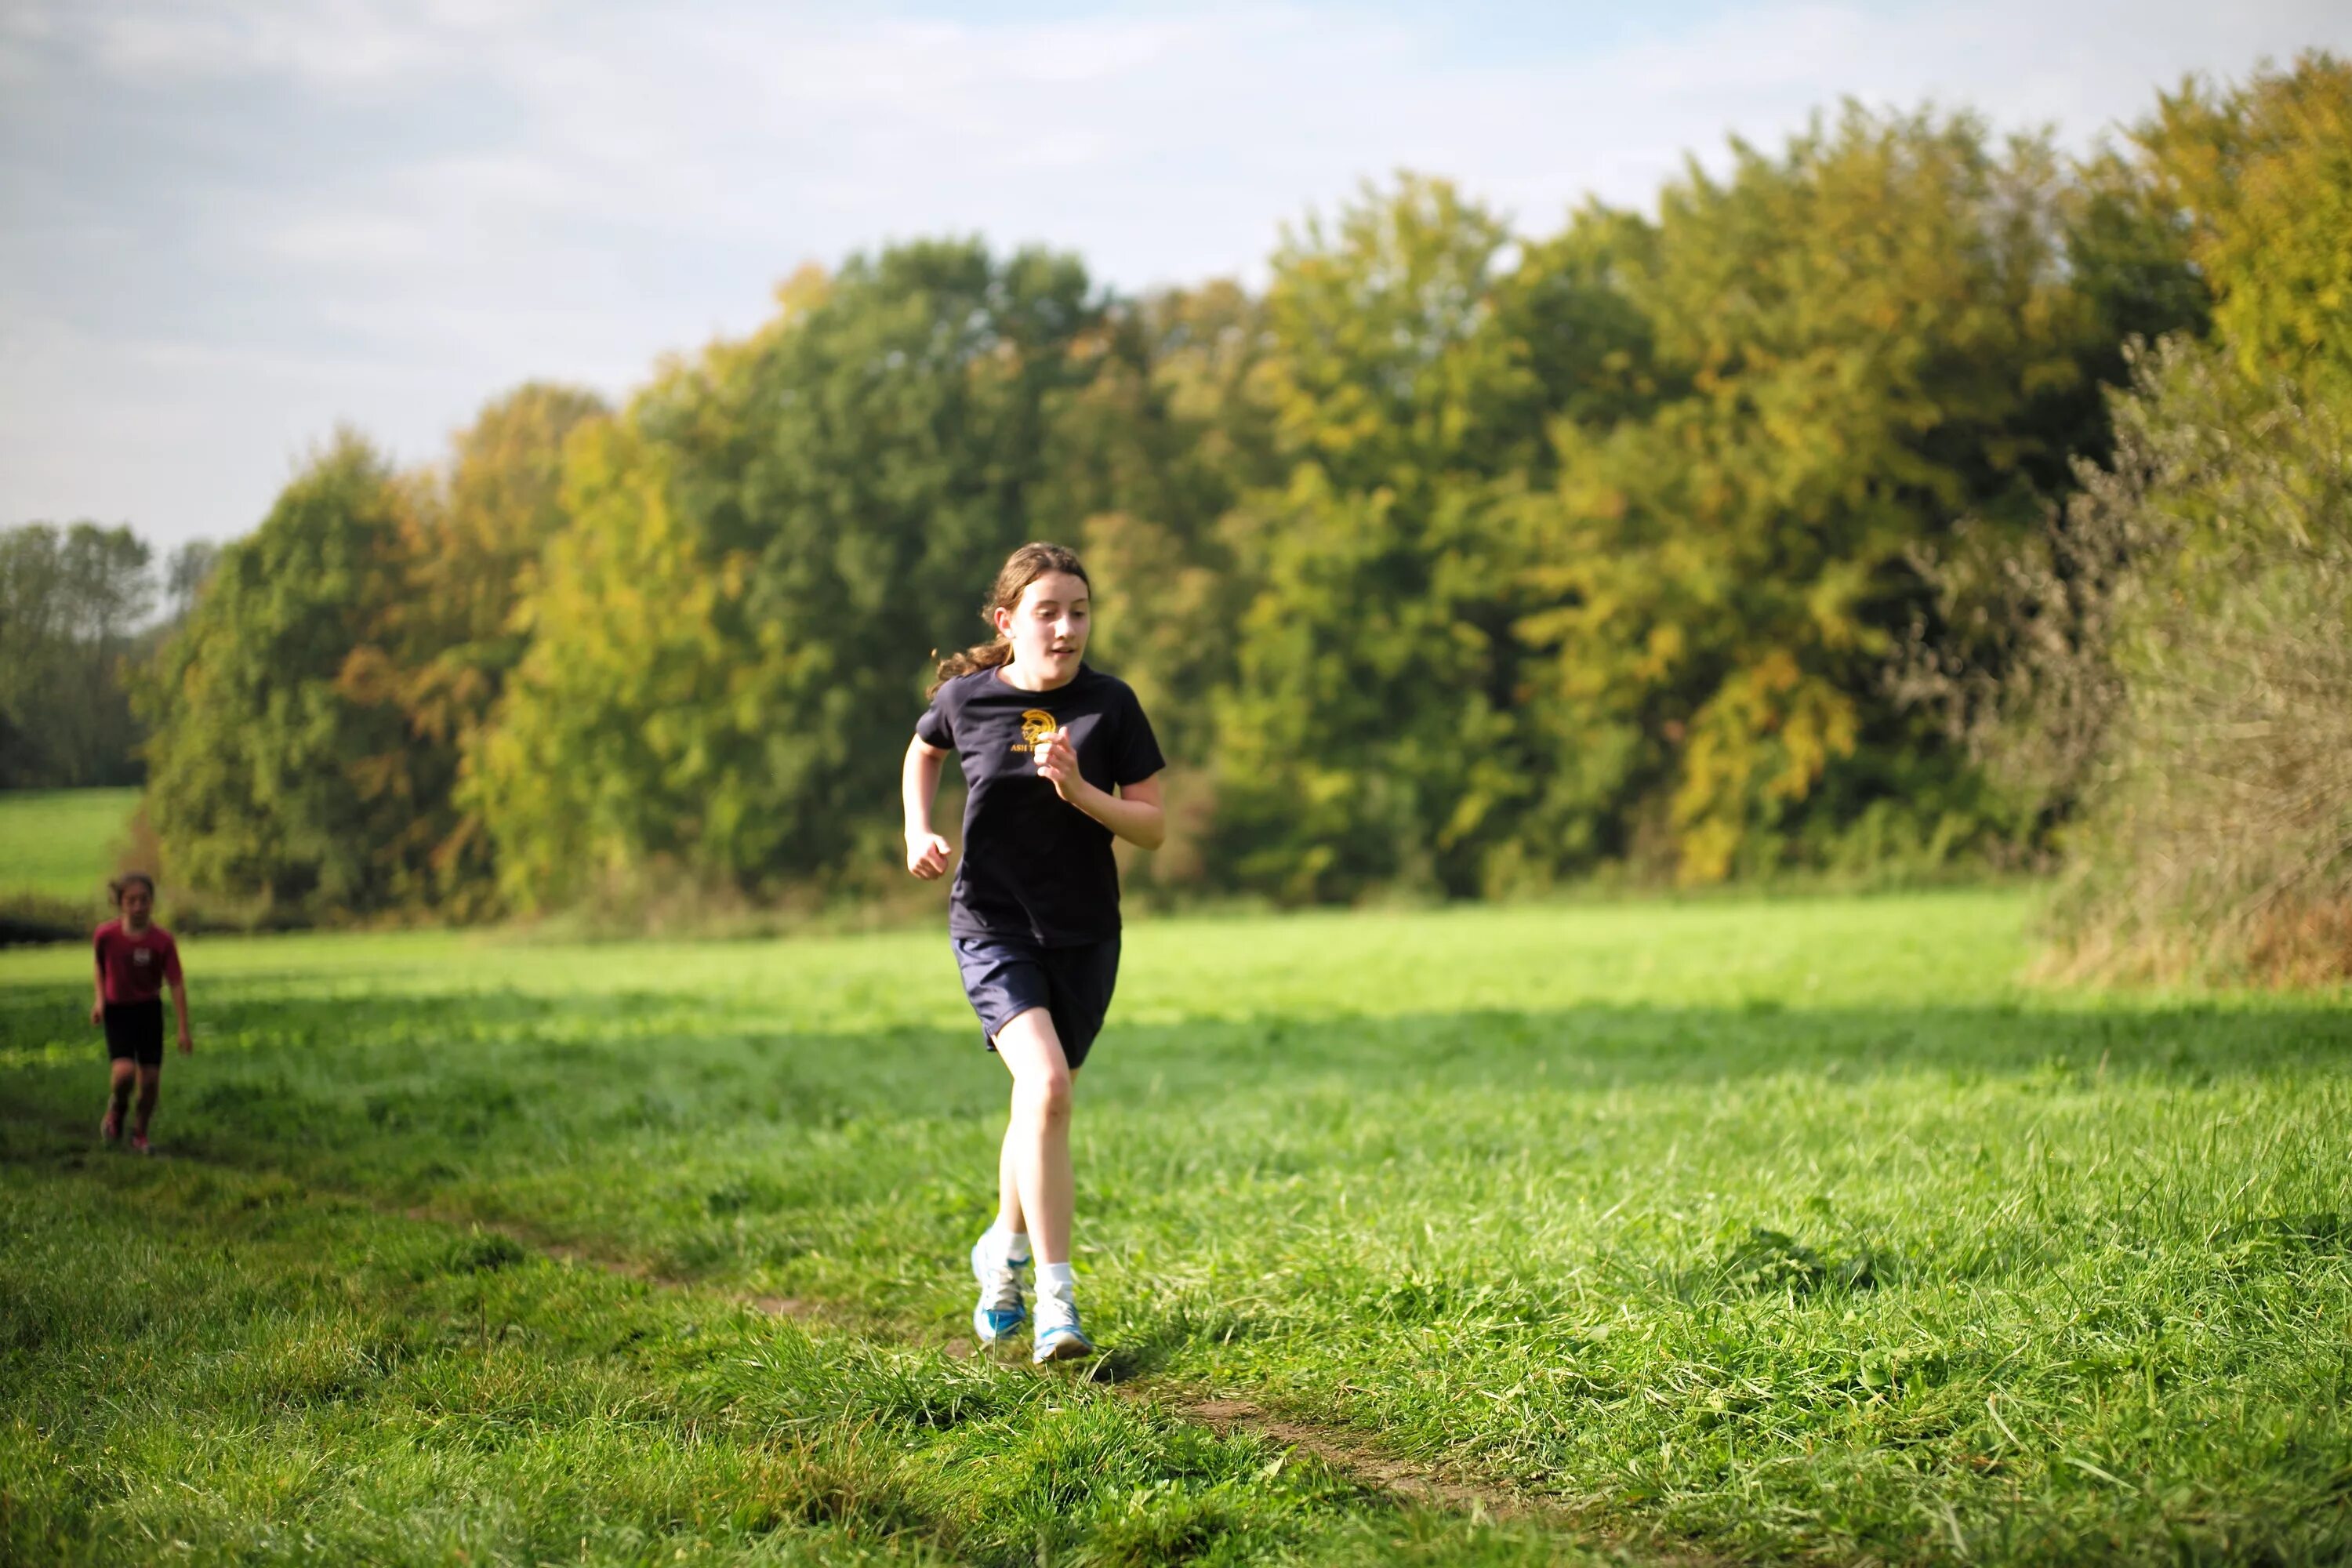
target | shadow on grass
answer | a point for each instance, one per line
(1121, 1365)
(339, 1073)
(313, 1005)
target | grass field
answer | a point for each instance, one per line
(1722, 1231)
(60, 843)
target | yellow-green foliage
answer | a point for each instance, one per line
(316, 711)
(1460, 562)
(470, 546)
(1365, 738)
(727, 645)
(603, 750)
(2262, 173)
(1866, 340)
(1619, 537)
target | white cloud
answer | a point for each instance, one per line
(387, 212)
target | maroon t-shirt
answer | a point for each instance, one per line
(133, 968)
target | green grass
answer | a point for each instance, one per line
(1777, 1230)
(60, 843)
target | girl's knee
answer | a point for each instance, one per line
(1047, 1093)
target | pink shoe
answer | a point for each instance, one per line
(138, 1143)
(110, 1129)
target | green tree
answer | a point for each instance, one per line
(2128, 253)
(1147, 458)
(2261, 175)
(1877, 339)
(439, 652)
(720, 671)
(72, 603)
(264, 782)
(186, 573)
(1367, 736)
(605, 751)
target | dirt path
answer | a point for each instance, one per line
(1347, 1452)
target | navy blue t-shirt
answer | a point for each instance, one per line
(1034, 865)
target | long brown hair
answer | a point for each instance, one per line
(1023, 567)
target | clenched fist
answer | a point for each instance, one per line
(1058, 761)
(926, 856)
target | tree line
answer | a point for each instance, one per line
(77, 633)
(1454, 562)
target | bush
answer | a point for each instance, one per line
(2164, 677)
(2220, 835)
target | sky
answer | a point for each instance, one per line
(225, 228)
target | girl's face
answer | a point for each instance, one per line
(138, 903)
(1047, 628)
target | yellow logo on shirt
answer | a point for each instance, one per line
(1035, 722)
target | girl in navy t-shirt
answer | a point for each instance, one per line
(1058, 759)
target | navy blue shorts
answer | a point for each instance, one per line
(1005, 978)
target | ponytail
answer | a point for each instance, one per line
(971, 660)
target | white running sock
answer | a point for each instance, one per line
(1054, 1280)
(1005, 1248)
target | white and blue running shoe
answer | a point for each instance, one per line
(1059, 1338)
(1000, 1311)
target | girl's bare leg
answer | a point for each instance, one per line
(117, 1091)
(1008, 1182)
(1037, 1144)
(151, 1084)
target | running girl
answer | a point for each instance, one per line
(1059, 758)
(136, 959)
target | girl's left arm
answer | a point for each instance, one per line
(180, 1005)
(1133, 814)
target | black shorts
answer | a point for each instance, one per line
(135, 1029)
(1005, 978)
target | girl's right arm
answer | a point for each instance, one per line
(919, 781)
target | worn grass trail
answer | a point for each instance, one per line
(1771, 1229)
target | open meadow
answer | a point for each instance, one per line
(1724, 1230)
(60, 843)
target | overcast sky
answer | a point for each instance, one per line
(225, 227)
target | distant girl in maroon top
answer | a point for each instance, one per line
(136, 959)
